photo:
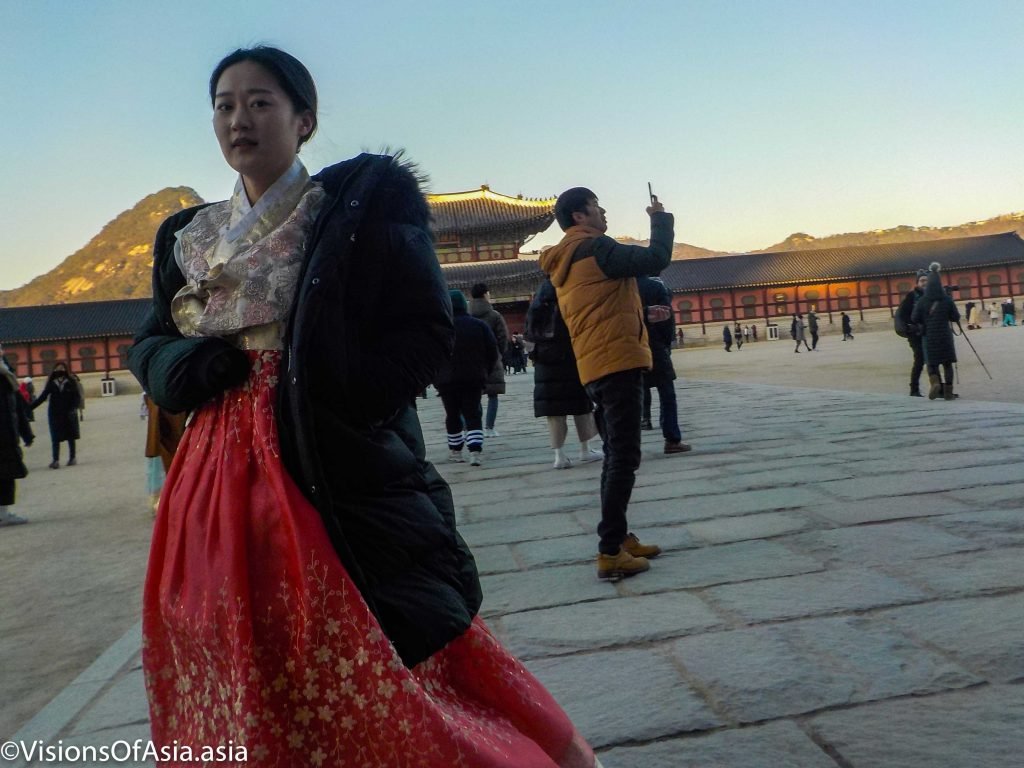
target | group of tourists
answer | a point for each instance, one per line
(925, 316)
(66, 405)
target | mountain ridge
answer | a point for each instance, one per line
(117, 262)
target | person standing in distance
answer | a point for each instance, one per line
(914, 332)
(595, 280)
(480, 308)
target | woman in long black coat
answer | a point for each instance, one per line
(935, 311)
(13, 426)
(62, 412)
(557, 391)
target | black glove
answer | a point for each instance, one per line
(225, 368)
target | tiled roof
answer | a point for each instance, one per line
(837, 264)
(482, 211)
(503, 278)
(86, 320)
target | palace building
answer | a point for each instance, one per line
(482, 225)
(479, 238)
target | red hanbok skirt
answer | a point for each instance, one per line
(255, 637)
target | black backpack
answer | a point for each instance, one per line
(541, 321)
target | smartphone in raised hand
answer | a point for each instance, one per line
(650, 193)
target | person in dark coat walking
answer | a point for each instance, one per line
(62, 412)
(915, 335)
(812, 328)
(460, 381)
(847, 327)
(935, 311)
(14, 427)
(557, 391)
(727, 338)
(480, 308)
(657, 304)
(796, 331)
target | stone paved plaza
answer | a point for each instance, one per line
(842, 585)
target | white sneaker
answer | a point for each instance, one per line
(492, 433)
(592, 455)
(455, 456)
(562, 462)
(474, 459)
(12, 519)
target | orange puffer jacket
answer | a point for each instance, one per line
(595, 280)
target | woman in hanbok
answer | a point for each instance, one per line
(308, 597)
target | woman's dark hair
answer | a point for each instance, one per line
(569, 202)
(290, 73)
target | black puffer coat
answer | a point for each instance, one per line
(350, 436)
(661, 334)
(557, 390)
(475, 353)
(482, 310)
(935, 311)
(62, 410)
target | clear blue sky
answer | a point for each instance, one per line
(753, 119)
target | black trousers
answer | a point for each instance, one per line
(917, 347)
(947, 370)
(6, 493)
(618, 398)
(814, 340)
(55, 449)
(462, 411)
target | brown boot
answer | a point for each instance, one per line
(636, 549)
(947, 392)
(620, 566)
(935, 390)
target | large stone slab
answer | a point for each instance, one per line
(993, 528)
(897, 507)
(1010, 494)
(911, 483)
(879, 544)
(604, 623)
(851, 589)
(776, 745)
(128, 693)
(725, 530)
(721, 504)
(702, 567)
(979, 727)
(541, 588)
(495, 559)
(982, 633)
(972, 573)
(763, 673)
(514, 528)
(627, 695)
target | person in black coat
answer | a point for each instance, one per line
(915, 336)
(727, 338)
(461, 380)
(557, 391)
(62, 412)
(847, 327)
(14, 427)
(935, 311)
(657, 303)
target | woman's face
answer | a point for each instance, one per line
(256, 125)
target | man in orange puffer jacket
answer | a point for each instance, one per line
(595, 280)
